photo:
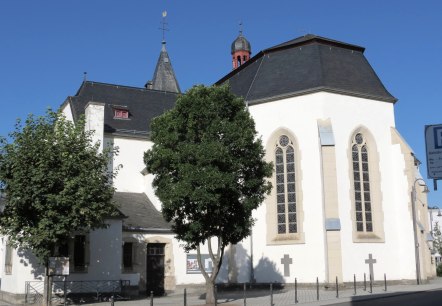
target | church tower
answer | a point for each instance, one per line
(164, 78)
(241, 51)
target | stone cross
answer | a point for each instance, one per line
(286, 261)
(370, 261)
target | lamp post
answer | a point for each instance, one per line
(416, 241)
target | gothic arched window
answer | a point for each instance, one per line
(285, 186)
(361, 180)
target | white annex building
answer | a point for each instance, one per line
(343, 176)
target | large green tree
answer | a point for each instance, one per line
(210, 172)
(55, 181)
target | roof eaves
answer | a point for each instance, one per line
(152, 230)
(311, 39)
(320, 89)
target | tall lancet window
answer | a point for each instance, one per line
(285, 186)
(362, 193)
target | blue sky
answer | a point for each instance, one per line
(45, 46)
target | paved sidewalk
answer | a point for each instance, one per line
(306, 296)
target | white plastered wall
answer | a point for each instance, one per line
(300, 115)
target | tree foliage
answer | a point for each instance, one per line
(56, 182)
(209, 168)
(437, 238)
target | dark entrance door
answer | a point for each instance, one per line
(155, 268)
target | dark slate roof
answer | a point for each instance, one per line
(164, 77)
(140, 212)
(305, 65)
(143, 105)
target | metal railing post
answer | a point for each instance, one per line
(271, 294)
(216, 295)
(244, 291)
(185, 297)
(296, 290)
(385, 282)
(365, 282)
(317, 289)
(151, 298)
(371, 283)
(354, 283)
(337, 288)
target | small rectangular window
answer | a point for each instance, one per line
(121, 113)
(127, 255)
(8, 259)
(80, 252)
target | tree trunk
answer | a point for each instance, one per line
(210, 292)
(47, 289)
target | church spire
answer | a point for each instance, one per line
(241, 49)
(164, 78)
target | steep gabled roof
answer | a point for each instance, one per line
(164, 77)
(143, 105)
(140, 212)
(305, 65)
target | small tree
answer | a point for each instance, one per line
(437, 238)
(56, 182)
(209, 171)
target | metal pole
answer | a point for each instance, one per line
(185, 297)
(337, 288)
(354, 283)
(244, 290)
(317, 289)
(271, 294)
(151, 298)
(112, 300)
(416, 243)
(385, 281)
(216, 295)
(296, 290)
(365, 282)
(371, 283)
(64, 290)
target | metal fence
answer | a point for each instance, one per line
(76, 292)
(277, 294)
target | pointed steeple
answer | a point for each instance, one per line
(164, 77)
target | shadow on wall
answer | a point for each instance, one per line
(28, 259)
(236, 268)
(266, 271)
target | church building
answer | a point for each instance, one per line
(340, 204)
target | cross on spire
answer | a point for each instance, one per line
(163, 25)
(240, 28)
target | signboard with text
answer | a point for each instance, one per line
(192, 266)
(433, 144)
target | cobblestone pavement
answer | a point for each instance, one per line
(306, 296)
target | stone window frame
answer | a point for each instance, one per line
(272, 237)
(377, 235)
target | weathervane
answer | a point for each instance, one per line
(240, 27)
(163, 25)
